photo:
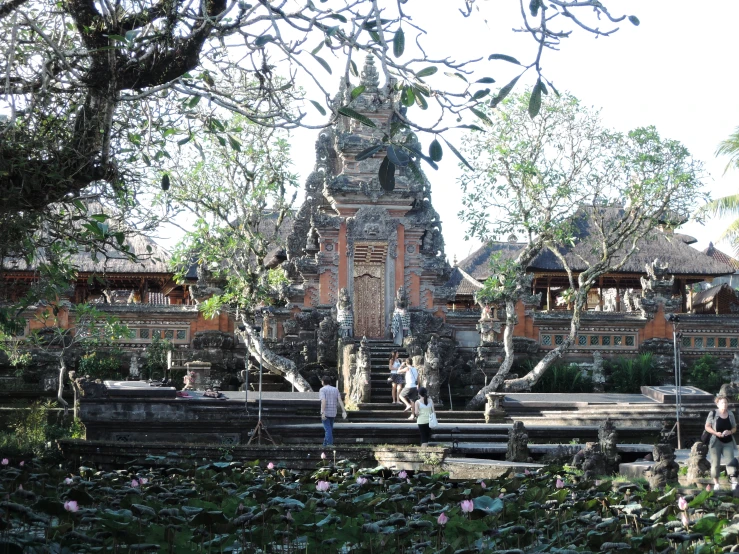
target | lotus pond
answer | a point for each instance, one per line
(168, 505)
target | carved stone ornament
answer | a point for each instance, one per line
(327, 335)
(344, 314)
(608, 440)
(361, 385)
(494, 408)
(518, 443)
(698, 466)
(657, 290)
(431, 369)
(212, 339)
(401, 323)
(665, 470)
(590, 460)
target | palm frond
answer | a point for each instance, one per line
(721, 207)
(730, 147)
(731, 235)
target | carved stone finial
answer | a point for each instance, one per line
(370, 75)
(455, 260)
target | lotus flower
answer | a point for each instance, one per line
(289, 517)
(526, 472)
(134, 483)
(403, 474)
(559, 484)
(708, 488)
(361, 481)
(433, 496)
(323, 486)
(323, 455)
(501, 495)
(682, 503)
(685, 519)
(270, 465)
(467, 506)
(5, 462)
(483, 485)
(442, 519)
(71, 506)
(22, 463)
(68, 481)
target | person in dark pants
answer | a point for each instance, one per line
(721, 424)
(330, 401)
(422, 409)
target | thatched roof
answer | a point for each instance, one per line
(669, 247)
(463, 283)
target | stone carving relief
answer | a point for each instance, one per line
(698, 466)
(361, 387)
(608, 440)
(432, 364)
(518, 443)
(327, 335)
(657, 289)
(590, 460)
(345, 314)
(665, 470)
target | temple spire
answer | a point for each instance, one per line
(370, 76)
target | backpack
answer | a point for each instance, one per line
(706, 436)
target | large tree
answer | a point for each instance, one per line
(547, 179)
(235, 194)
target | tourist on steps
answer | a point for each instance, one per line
(721, 424)
(330, 400)
(396, 380)
(423, 408)
(410, 390)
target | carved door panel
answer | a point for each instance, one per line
(369, 304)
(369, 289)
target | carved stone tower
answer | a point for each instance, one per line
(369, 241)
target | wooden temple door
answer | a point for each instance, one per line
(369, 290)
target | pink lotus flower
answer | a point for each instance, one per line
(270, 465)
(143, 480)
(323, 455)
(289, 516)
(483, 485)
(559, 484)
(20, 487)
(442, 519)
(682, 503)
(526, 472)
(708, 487)
(134, 483)
(323, 486)
(22, 463)
(501, 495)
(433, 496)
(71, 506)
(5, 462)
(467, 506)
(361, 481)
(403, 474)
(685, 519)
(68, 481)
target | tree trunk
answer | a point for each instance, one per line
(510, 322)
(62, 375)
(276, 363)
(525, 383)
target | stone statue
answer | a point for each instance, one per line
(590, 460)
(598, 376)
(311, 244)
(432, 364)
(657, 289)
(345, 315)
(494, 408)
(698, 465)
(401, 322)
(361, 387)
(488, 326)
(327, 332)
(608, 440)
(666, 468)
(133, 368)
(518, 443)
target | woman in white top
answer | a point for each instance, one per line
(409, 393)
(396, 380)
(423, 408)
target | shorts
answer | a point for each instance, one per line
(410, 393)
(397, 378)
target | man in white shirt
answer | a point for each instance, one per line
(409, 394)
(330, 401)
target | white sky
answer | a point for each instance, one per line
(676, 71)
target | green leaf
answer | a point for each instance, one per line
(456, 153)
(427, 72)
(375, 36)
(165, 182)
(184, 140)
(398, 43)
(338, 17)
(264, 39)
(490, 506)
(634, 20)
(347, 111)
(504, 57)
(435, 151)
(535, 100)
(363, 497)
(193, 101)
(323, 63)
(421, 101)
(397, 156)
(505, 91)
(481, 94)
(387, 175)
(356, 91)
(481, 115)
(473, 127)
(368, 152)
(457, 75)
(407, 98)
(317, 49)
(353, 68)
(235, 144)
(320, 108)
(486, 80)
